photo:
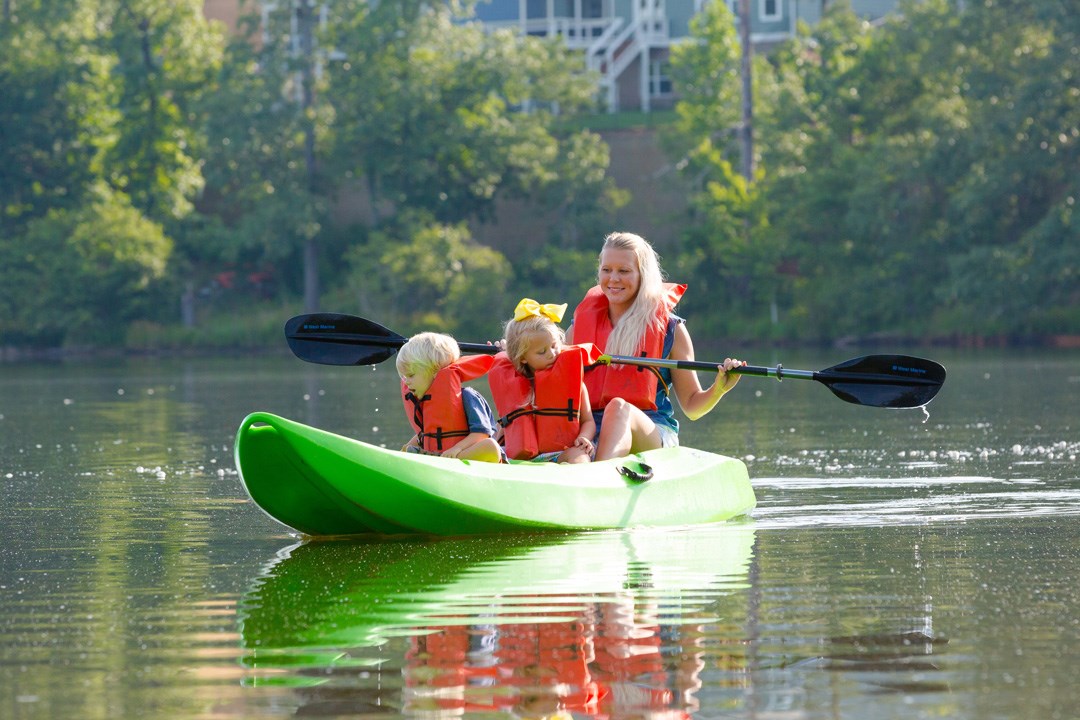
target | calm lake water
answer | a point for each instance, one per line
(897, 565)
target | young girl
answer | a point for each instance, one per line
(539, 390)
(449, 420)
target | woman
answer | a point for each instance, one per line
(629, 312)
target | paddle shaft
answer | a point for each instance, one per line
(484, 349)
(391, 342)
(778, 372)
(899, 374)
(892, 381)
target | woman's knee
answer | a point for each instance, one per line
(617, 407)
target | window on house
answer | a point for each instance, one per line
(769, 9)
(536, 9)
(659, 78)
(592, 8)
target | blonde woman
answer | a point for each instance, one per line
(630, 312)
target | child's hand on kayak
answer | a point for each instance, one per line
(584, 443)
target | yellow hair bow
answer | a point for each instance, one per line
(530, 308)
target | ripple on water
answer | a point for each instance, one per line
(852, 502)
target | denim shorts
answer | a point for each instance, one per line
(669, 437)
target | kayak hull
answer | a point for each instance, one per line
(320, 483)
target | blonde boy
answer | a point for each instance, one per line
(449, 419)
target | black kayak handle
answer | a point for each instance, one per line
(646, 472)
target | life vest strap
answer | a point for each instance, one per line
(439, 435)
(418, 417)
(567, 412)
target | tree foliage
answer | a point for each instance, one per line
(919, 177)
(100, 152)
(726, 250)
(418, 274)
(915, 177)
(107, 254)
(460, 116)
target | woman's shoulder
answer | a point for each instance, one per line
(682, 345)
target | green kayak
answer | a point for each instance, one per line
(320, 483)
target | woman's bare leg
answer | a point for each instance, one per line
(625, 429)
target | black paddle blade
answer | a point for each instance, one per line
(335, 339)
(888, 381)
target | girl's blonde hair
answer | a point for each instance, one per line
(631, 327)
(427, 351)
(518, 333)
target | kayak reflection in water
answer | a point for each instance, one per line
(630, 312)
(449, 419)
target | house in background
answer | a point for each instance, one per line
(627, 42)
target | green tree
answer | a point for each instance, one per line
(442, 116)
(164, 53)
(101, 94)
(52, 113)
(262, 203)
(1013, 226)
(923, 172)
(419, 274)
(108, 255)
(725, 249)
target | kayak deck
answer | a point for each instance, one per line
(320, 483)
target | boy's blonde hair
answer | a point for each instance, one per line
(628, 332)
(427, 351)
(518, 333)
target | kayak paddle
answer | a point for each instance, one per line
(888, 381)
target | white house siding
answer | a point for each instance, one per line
(679, 14)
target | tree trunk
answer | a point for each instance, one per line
(305, 16)
(187, 305)
(747, 134)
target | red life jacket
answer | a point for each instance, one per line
(550, 422)
(439, 417)
(636, 385)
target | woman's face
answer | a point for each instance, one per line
(619, 277)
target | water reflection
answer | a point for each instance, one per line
(898, 569)
(614, 623)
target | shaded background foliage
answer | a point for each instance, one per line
(917, 178)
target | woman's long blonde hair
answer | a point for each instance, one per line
(629, 331)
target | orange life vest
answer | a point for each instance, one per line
(540, 414)
(439, 417)
(636, 385)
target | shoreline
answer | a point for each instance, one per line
(18, 354)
